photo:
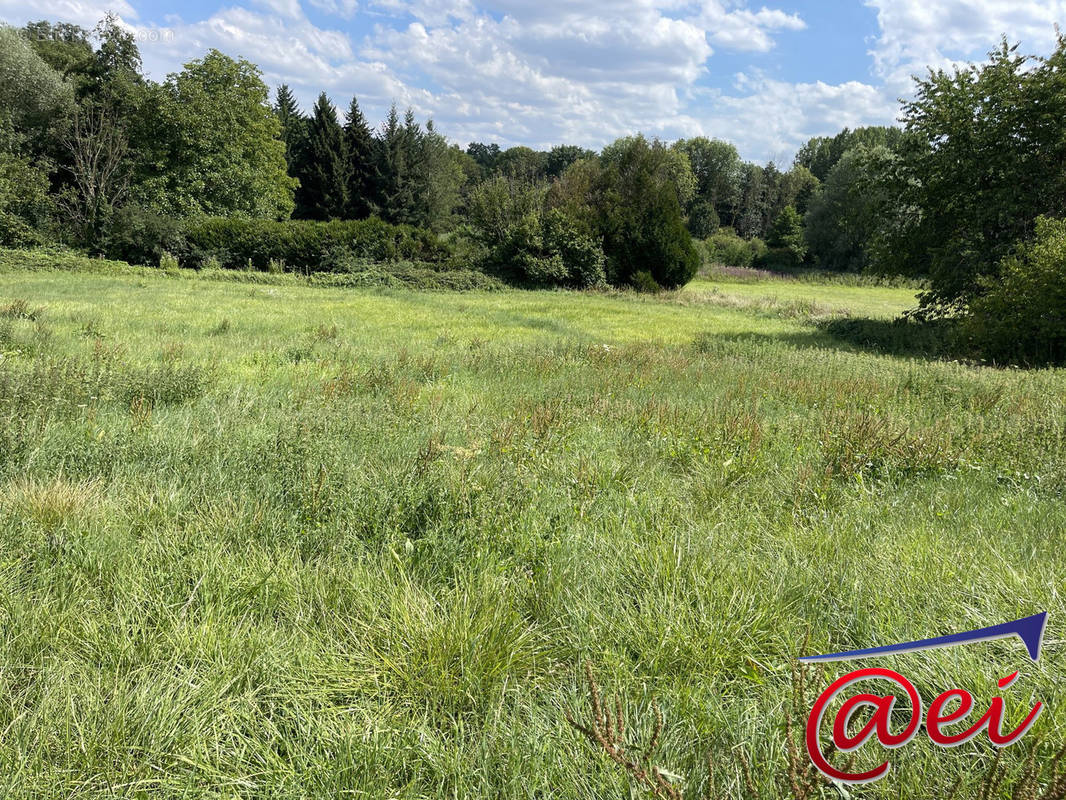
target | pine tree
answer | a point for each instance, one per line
(395, 167)
(363, 177)
(324, 172)
(293, 124)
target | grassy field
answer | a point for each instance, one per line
(277, 541)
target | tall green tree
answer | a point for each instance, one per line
(438, 179)
(983, 161)
(850, 209)
(323, 172)
(786, 235)
(642, 185)
(293, 124)
(561, 156)
(363, 176)
(34, 97)
(65, 47)
(718, 171)
(822, 153)
(215, 146)
(395, 167)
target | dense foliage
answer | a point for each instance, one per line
(1021, 315)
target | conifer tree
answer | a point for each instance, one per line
(395, 167)
(363, 175)
(324, 172)
(293, 123)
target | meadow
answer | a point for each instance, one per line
(272, 540)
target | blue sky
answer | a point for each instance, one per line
(766, 76)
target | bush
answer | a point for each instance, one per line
(525, 243)
(301, 245)
(729, 250)
(305, 245)
(640, 209)
(137, 236)
(1021, 315)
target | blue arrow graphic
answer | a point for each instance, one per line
(1030, 630)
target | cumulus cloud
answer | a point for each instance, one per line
(81, 12)
(580, 71)
(916, 34)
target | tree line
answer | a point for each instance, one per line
(963, 193)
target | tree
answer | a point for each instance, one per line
(34, 97)
(324, 173)
(983, 160)
(754, 204)
(99, 171)
(485, 155)
(293, 125)
(639, 200)
(214, 146)
(25, 206)
(362, 163)
(786, 236)
(561, 156)
(437, 178)
(65, 47)
(822, 153)
(394, 167)
(850, 210)
(718, 171)
(522, 163)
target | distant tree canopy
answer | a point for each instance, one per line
(822, 153)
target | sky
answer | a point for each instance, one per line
(545, 72)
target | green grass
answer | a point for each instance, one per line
(828, 298)
(285, 541)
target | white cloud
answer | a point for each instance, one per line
(81, 12)
(916, 34)
(774, 118)
(533, 73)
(582, 71)
(741, 29)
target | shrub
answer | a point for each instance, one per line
(581, 254)
(1021, 315)
(306, 245)
(168, 262)
(137, 236)
(644, 281)
(301, 245)
(640, 209)
(525, 243)
(727, 249)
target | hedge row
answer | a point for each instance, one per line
(294, 245)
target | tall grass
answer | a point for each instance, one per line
(287, 541)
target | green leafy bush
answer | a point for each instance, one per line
(304, 245)
(726, 248)
(640, 191)
(138, 236)
(525, 243)
(301, 245)
(1021, 315)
